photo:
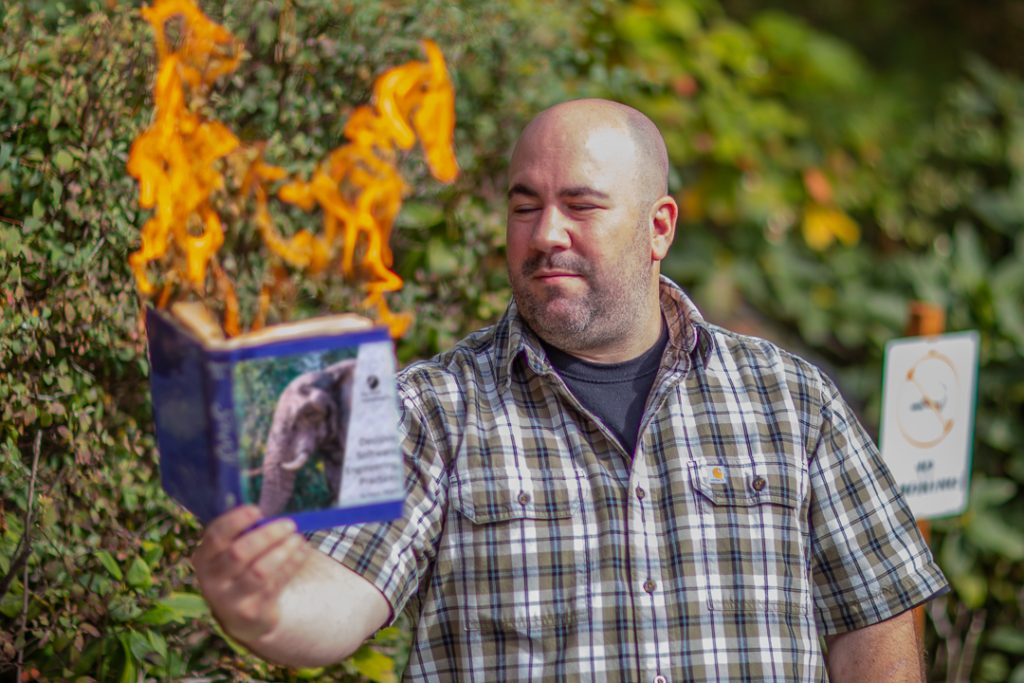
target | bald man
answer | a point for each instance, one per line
(602, 486)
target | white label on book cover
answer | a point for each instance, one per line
(928, 419)
(372, 472)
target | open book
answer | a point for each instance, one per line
(299, 418)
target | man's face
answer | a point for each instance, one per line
(578, 236)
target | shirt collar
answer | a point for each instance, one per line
(689, 340)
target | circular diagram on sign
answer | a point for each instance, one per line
(928, 398)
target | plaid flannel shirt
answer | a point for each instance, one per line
(754, 516)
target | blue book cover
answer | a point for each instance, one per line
(300, 419)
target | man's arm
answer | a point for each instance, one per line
(886, 651)
(281, 598)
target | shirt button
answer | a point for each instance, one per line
(660, 679)
(759, 483)
(640, 493)
(524, 498)
(650, 585)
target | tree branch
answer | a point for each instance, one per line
(26, 536)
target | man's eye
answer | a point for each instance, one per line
(524, 209)
(581, 207)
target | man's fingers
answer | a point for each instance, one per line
(222, 531)
(236, 559)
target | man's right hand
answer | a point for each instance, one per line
(280, 597)
(243, 574)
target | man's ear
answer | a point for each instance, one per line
(664, 213)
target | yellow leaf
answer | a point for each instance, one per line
(376, 666)
(822, 225)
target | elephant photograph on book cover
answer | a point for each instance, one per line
(307, 432)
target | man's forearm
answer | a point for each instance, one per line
(887, 651)
(326, 613)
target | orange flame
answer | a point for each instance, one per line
(357, 188)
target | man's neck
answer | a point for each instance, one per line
(634, 346)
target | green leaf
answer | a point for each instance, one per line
(990, 492)
(10, 603)
(990, 532)
(89, 656)
(152, 552)
(128, 672)
(108, 561)
(310, 674)
(375, 666)
(956, 556)
(157, 642)
(237, 647)
(387, 634)
(972, 589)
(124, 608)
(440, 259)
(138, 645)
(419, 215)
(968, 257)
(1007, 639)
(186, 605)
(63, 161)
(139, 574)
(158, 615)
(177, 608)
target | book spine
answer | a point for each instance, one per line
(223, 431)
(177, 375)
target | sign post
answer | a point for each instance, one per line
(928, 416)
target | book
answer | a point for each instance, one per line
(298, 418)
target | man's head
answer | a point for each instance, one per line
(589, 221)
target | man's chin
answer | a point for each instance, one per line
(557, 318)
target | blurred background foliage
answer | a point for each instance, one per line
(834, 162)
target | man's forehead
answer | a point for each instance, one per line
(568, 136)
(572, 161)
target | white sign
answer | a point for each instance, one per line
(928, 419)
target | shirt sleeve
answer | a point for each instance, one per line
(396, 556)
(869, 561)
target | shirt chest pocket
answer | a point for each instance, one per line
(754, 536)
(515, 551)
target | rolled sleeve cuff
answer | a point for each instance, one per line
(892, 594)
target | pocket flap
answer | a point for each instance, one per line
(746, 485)
(484, 498)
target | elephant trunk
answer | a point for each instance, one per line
(288, 449)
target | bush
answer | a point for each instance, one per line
(818, 201)
(93, 556)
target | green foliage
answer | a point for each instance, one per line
(768, 120)
(93, 556)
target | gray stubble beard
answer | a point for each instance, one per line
(580, 328)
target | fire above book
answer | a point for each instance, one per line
(298, 418)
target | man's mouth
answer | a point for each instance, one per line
(554, 274)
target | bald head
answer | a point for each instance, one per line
(587, 116)
(589, 220)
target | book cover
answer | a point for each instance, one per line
(300, 420)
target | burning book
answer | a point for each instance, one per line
(299, 418)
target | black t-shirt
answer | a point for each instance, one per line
(615, 392)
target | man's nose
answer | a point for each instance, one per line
(553, 231)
